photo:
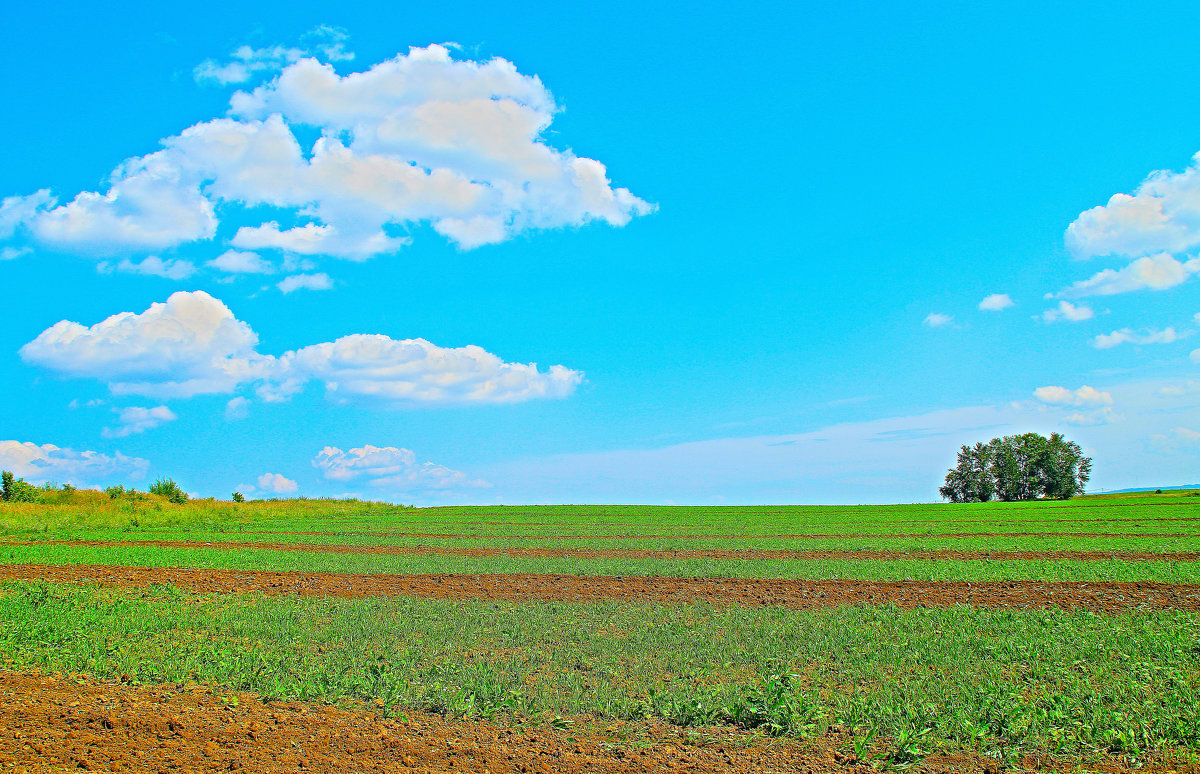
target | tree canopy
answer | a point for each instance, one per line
(1018, 467)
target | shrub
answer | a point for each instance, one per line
(115, 492)
(17, 490)
(167, 488)
(238, 497)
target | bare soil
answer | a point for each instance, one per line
(522, 587)
(636, 553)
(717, 535)
(70, 724)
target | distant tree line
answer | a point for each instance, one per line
(1018, 467)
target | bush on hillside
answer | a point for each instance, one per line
(167, 488)
(17, 490)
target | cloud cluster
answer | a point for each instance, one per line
(48, 462)
(151, 266)
(138, 419)
(277, 483)
(1130, 336)
(1062, 396)
(192, 345)
(245, 63)
(1069, 312)
(1153, 272)
(189, 345)
(1152, 228)
(390, 468)
(1096, 405)
(420, 138)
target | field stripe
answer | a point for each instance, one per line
(1100, 596)
(636, 553)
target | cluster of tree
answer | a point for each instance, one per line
(1018, 467)
(17, 490)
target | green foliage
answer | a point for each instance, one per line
(1018, 467)
(906, 682)
(167, 488)
(238, 497)
(17, 490)
(115, 492)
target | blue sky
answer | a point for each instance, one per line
(747, 251)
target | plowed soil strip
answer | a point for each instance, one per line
(524, 587)
(50, 723)
(57, 724)
(636, 553)
(718, 535)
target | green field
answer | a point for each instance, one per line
(904, 683)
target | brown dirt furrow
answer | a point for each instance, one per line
(72, 723)
(714, 535)
(636, 553)
(59, 724)
(524, 587)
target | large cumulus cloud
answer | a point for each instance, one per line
(420, 138)
(192, 344)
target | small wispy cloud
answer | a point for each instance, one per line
(996, 302)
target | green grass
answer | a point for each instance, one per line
(818, 569)
(90, 511)
(998, 681)
(1004, 682)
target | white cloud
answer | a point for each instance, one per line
(330, 42)
(996, 302)
(390, 468)
(420, 138)
(377, 367)
(137, 419)
(190, 345)
(193, 345)
(246, 62)
(237, 408)
(152, 266)
(1185, 435)
(1163, 215)
(48, 462)
(11, 253)
(1101, 416)
(937, 319)
(1068, 311)
(151, 204)
(237, 262)
(1130, 336)
(1095, 405)
(274, 482)
(1061, 396)
(16, 211)
(319, 281)
(1156, 272)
